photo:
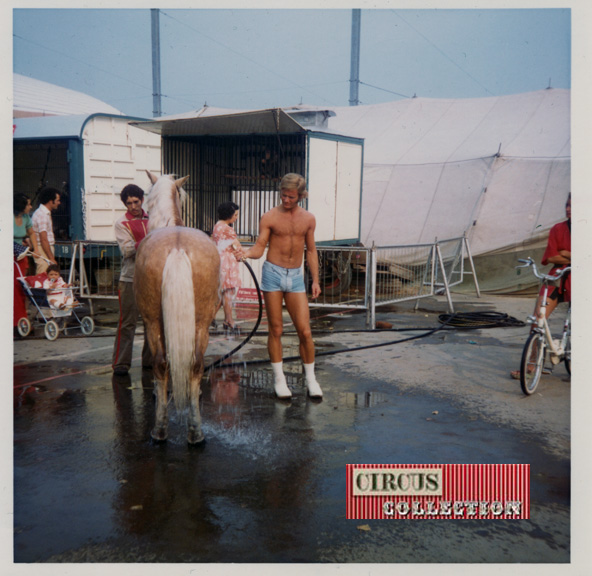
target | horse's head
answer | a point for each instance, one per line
(177, 182)
(164, 200)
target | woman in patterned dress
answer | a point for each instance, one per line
(24, 236)
(227, 242)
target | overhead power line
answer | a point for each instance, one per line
(242, 55)
(441, 52)
(126, 78)
(384, 90)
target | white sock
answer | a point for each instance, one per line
(314, 390)
(279, 381)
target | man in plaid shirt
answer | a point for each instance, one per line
(49, 200)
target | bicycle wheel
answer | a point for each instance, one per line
(567, 357)
(531, 365)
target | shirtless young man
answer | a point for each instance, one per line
(288, 228)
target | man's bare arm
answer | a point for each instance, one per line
(258, 249)
(312, 259)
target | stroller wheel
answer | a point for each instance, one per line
(87, 325)
(51, 330)
(24, 327)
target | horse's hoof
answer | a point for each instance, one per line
(194, 437)
(159, 434)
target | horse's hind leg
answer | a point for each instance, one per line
(160, 430)
(194, 432)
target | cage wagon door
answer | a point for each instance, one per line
(335, 188)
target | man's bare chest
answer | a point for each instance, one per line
(290, 227)
(294, 229)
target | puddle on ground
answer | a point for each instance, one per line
(267, 486)
(363, 400)
(227, 381)
(226, 385)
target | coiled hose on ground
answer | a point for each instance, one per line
(473, 320)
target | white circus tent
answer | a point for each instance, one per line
(32, 97)
(497, 169)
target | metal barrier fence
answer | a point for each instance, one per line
(412, 272)
(93, 268)
(352, 277)
(365, 278)
(344, 278)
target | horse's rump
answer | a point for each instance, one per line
(199, 247)
(177, 288)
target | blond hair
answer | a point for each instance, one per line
(296, 182)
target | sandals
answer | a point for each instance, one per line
(226, 326)
(233, 328)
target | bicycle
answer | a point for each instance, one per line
(540, 338)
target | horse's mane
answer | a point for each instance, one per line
(163, 203)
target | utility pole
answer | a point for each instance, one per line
(354, 76)
(157, 110)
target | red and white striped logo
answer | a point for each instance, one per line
(440, 491)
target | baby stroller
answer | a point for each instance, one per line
(53, 319)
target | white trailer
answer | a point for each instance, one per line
(89, 158)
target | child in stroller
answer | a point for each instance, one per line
(55, 304)
(59, 293)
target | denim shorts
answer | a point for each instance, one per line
(277, 279)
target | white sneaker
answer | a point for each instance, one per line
(314, 389)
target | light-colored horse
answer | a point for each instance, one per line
(176, 284)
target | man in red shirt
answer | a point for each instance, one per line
(558, 253)
(130, 230)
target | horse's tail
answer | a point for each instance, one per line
(178, 310)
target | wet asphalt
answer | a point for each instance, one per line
(269, 485)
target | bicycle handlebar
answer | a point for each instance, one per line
(530, 262)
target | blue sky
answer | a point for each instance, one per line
(247, 58)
